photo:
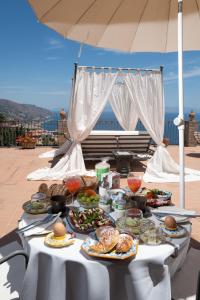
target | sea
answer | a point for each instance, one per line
(108, 121)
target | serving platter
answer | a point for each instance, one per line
(27, 207)
(91, 240)
(88, 230)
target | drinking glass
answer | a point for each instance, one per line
(134, 182)
(73, 184)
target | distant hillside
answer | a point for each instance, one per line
(23, 112)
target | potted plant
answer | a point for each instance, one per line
(26, 142)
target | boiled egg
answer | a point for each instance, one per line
(170, 223)
(59, 230)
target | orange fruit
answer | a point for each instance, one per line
(89, 192)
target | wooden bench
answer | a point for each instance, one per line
(102, 143)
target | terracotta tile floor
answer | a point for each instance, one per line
(15, 189)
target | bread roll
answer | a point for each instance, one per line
(50, 190)
(43, 188)
(125, 243)
(108, 238)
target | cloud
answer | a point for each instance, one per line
(54, 44)
(52, 58)
(112, 51)
(56, 93)
(195, 72)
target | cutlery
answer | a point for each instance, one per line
(39, 222)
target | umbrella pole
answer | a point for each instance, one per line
(181, 106)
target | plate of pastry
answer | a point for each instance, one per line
(88, 220)
(106, 242)
(59, 237)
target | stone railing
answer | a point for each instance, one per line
(55, 132)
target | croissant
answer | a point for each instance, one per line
(100, 231)
(108, 238)
(125, 243)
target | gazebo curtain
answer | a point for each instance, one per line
(140, 95)
(146, 93)
(91, 93)
(124, 108)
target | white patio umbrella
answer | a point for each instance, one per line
(132, 26)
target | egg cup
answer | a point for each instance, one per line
(58, 242)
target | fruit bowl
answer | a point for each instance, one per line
(88, 199)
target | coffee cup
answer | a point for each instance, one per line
(58, 204)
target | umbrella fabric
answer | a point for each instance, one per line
(126, 25)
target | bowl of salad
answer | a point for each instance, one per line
(88, 199)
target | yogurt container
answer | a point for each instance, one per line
(101, 168)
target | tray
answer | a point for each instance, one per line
(111, 255)
(27, 207)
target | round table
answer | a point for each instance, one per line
(69, 274)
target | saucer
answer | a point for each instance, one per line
(60, 242)
(179, 232)
(65, 212)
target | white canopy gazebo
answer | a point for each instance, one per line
(133, 94)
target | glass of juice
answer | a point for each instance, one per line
(134, 182)
(73, 184)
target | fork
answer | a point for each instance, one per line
(36, 223)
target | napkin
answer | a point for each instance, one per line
(40, 229)
(175, 210)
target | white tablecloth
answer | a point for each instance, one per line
(68, 274)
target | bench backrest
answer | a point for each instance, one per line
(95, 146)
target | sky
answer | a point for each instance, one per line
(36, 64)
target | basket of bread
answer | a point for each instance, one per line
(89, 182)
(108, 243)
(40, 201)
(59, 189)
